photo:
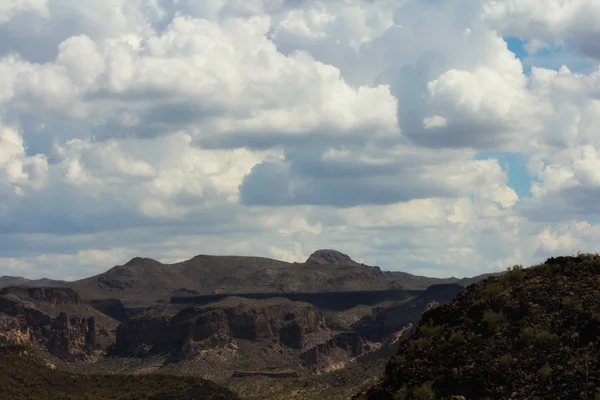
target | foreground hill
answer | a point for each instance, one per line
(142, 281)
(528, 334)
(25, 376)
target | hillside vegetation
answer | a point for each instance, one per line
(527, 334)
(25, 376)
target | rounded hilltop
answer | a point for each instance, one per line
(331, 257)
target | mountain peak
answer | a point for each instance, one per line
(331, 257)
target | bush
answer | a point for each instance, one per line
(401, 394)
(513, 275)
(506, 360)
(545, 371)
(530, 335)
(572, 303)
(424, 392)
(457, 336)
(431, 331)
(492, 290)
(494, 320)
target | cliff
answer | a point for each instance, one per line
(52, 318)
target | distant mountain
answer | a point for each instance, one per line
(526, 334)
(19, 281)
(143, 281)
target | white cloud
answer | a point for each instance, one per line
(16, 167)
(10, 8)
(548, 20)
(278, 127)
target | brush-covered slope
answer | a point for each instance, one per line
(26, 376)
(143, 280)
(527, 334)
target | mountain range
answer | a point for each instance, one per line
(249, 323)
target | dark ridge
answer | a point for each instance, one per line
(325, 300)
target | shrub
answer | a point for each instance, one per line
(545, 371)
(401, 394)
(492, 290)
(457, 336)
(572, 303)
(513, 275)
(506, 360)
(528, 335)
(424, 392)
(494, 320)
(431, 331)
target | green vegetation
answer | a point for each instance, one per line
(24, 376)
(527, 334)
(424, 392)
(494, 320)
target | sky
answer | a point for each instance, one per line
(442, 138)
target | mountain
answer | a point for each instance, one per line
(529, 333)
(25, 375)
(143, 281)
(19, 281)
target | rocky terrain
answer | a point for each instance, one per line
(266, 328)
(527, 334)
(25, 375)
(55, 319)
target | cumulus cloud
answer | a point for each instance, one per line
(548, 21)
(169, 129)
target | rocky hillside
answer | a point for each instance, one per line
(54, 319)
(142, 281)
(23, 375)
(528, 334)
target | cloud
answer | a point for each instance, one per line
(169, 129)
(549, 21)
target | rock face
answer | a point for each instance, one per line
(22, 322)
(54, 296)
(288, 323)
(332, 257)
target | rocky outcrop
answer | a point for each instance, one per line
(280, 320)
(350, 343)
(331, 257)
(27, 318)
(69, 339)
(54, 296)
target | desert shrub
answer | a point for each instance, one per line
(401, 394)
(513, 275)
(543, 336)
(494, 320)
(424, 392)
(545, 371)
(398, 360)
(492, 290)
(528, 335)
(506, 360)
(457, 336)
(572, 303)
(431, 331)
